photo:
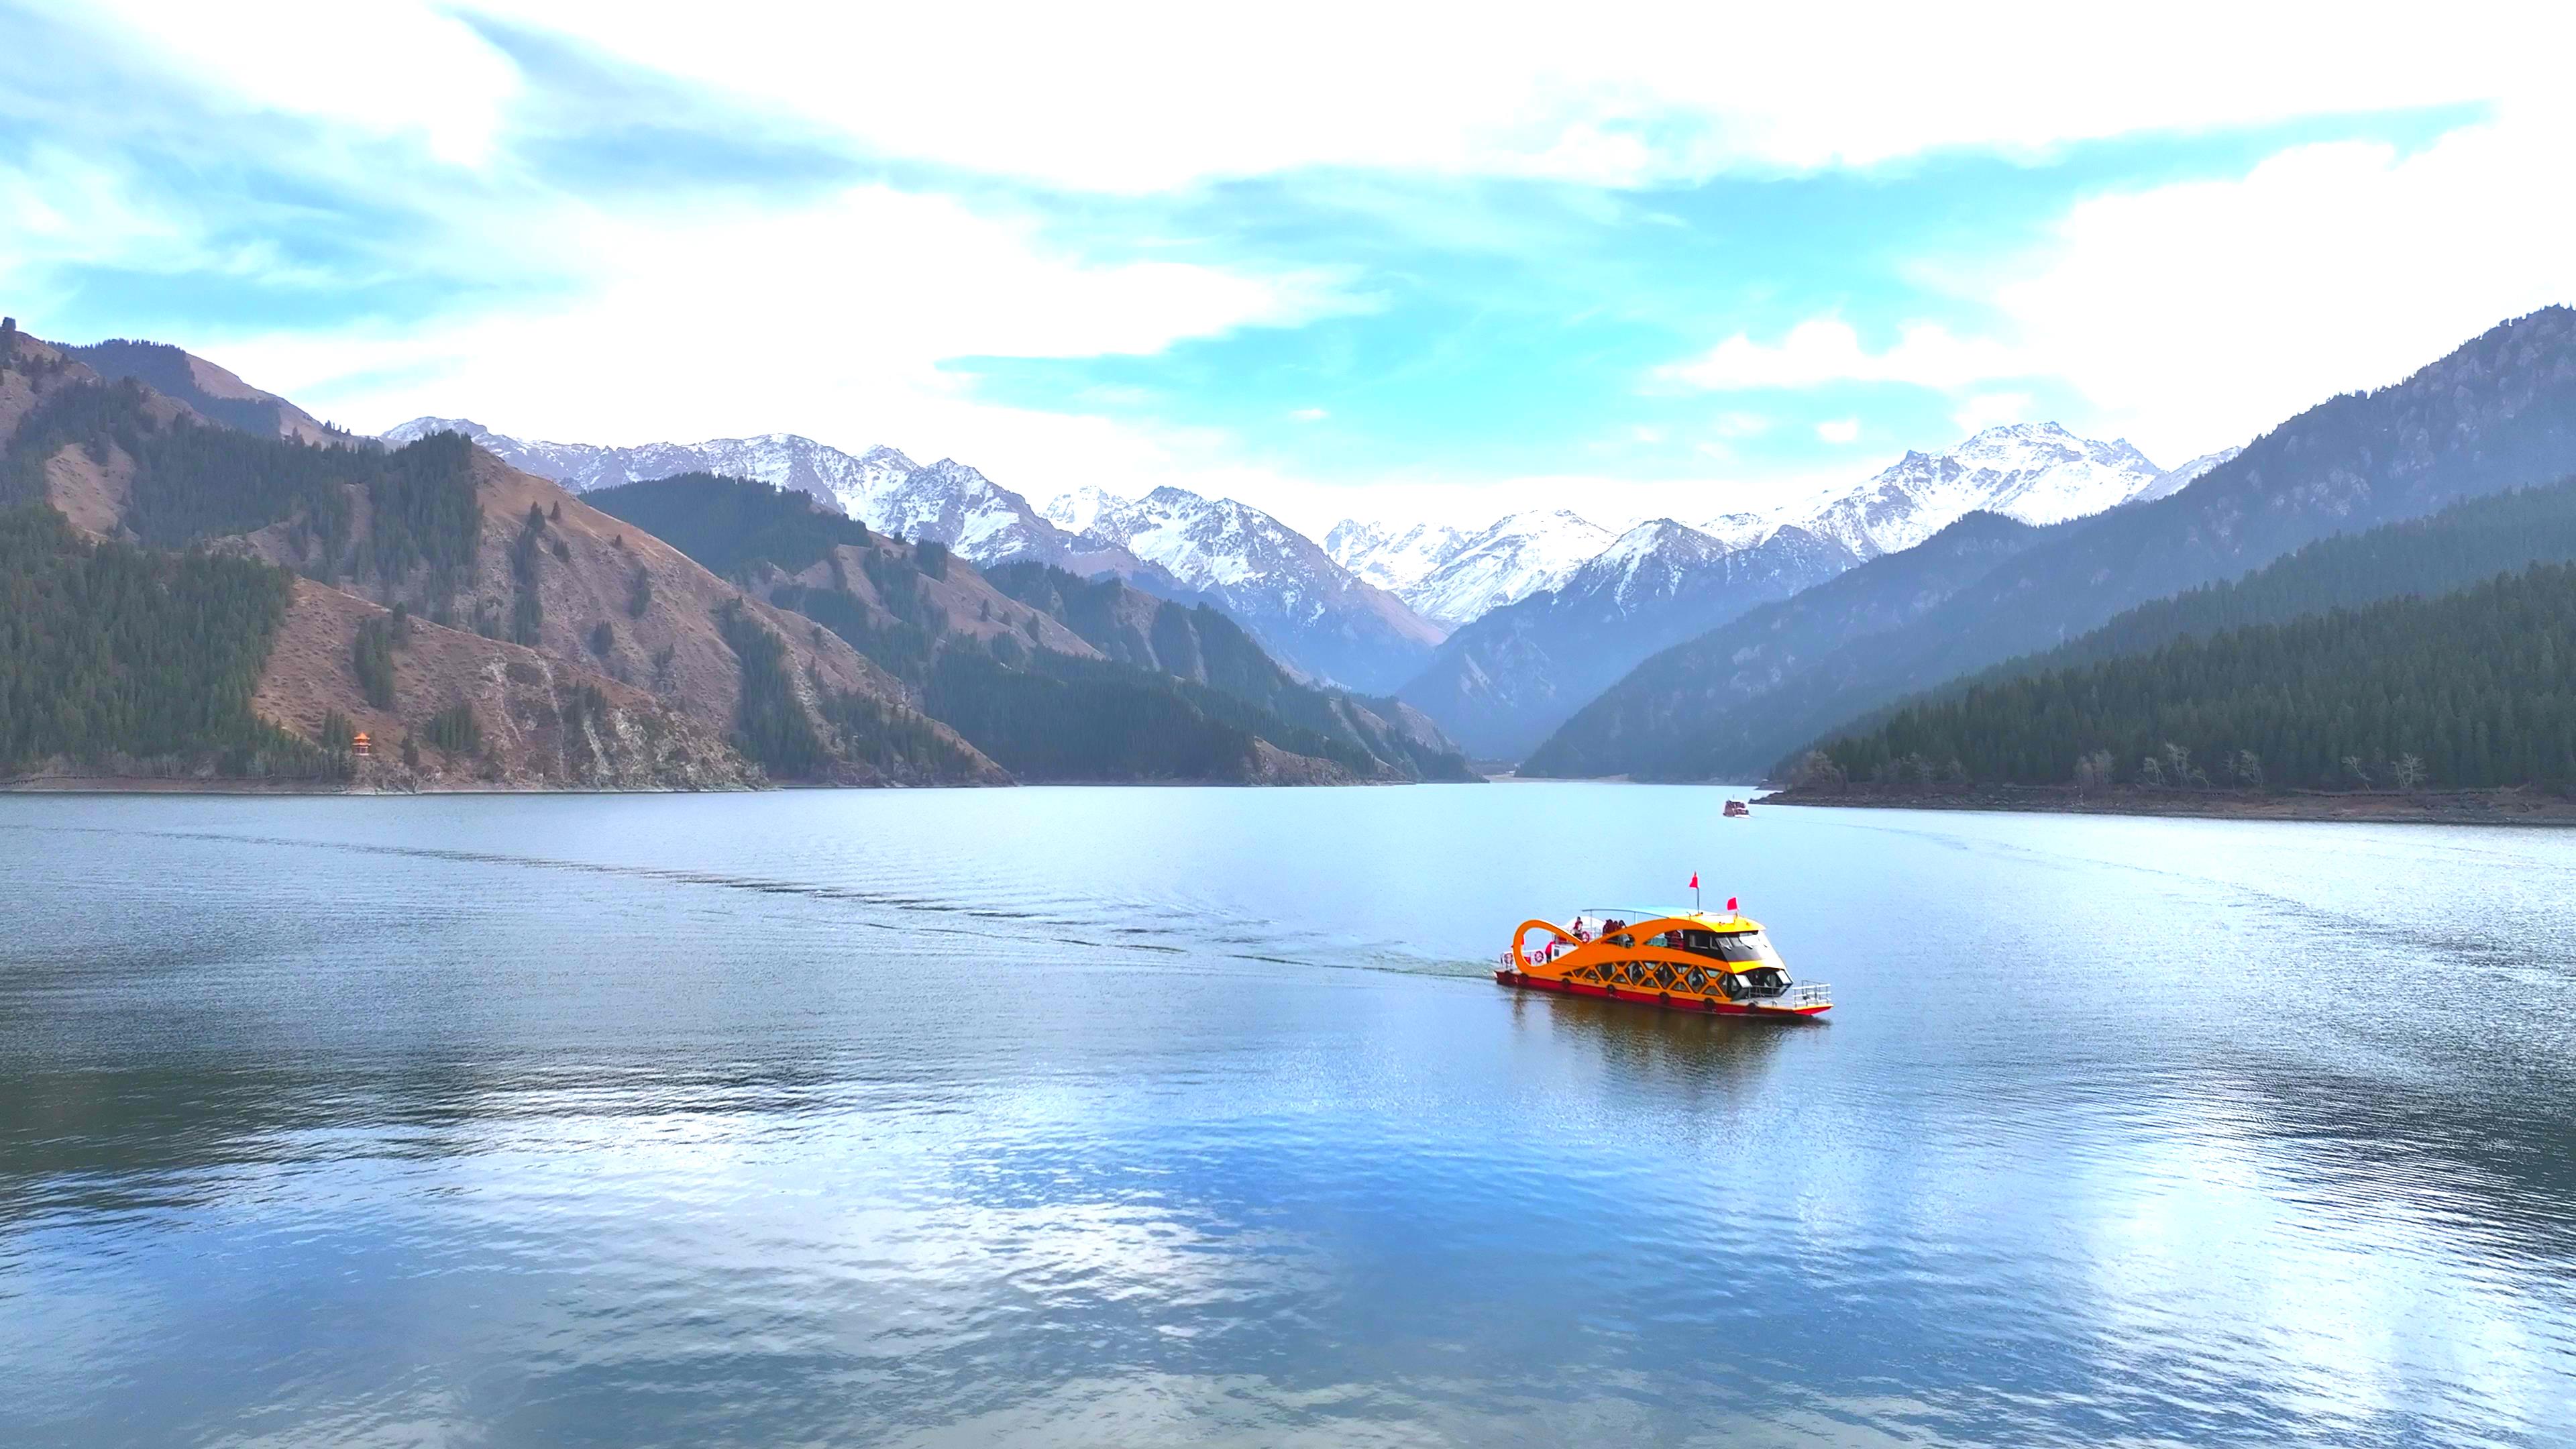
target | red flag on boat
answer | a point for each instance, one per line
(1694, 885)
(1730, 903)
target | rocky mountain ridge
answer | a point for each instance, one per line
(1274, 580)
(1456, 576)
(463, 540)
(1313, 614)
(1504, 682)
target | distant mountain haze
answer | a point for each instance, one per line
(1665, 705)
(1504, 682)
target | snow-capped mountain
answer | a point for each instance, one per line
(1315, 616)
(2036, 473)
(2175, 480)
(1504, 682)
(783, 460)
(1454, 576)
(957, 505)
(1390, 558)
(946, 501)
(1276, 581)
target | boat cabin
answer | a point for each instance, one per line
(1683, 959)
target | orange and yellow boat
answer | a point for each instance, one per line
(1684, 960)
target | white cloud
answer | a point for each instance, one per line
(1986, 409)
(2198, 314)
(1839, 430)
(1309, 415)
(2194, 315)
(1827, 349)
(1088, 96)
(386, 67)
(834, 320)
(2187, 315)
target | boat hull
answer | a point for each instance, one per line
(1663, 1000)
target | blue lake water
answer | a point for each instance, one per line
(1169, 1116)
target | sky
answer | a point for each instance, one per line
(1334, 260)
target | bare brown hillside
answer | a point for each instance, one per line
(543, 723)
(600, 580)
(537, 567)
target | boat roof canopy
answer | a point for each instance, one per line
(1638, 915)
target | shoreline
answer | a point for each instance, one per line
(2519, 806)
(219, 785)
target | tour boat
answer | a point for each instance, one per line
(1735, 808)
(1718, 965)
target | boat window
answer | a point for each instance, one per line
(1735, 947)
(1764, 981)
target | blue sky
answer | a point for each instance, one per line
(1332, 262)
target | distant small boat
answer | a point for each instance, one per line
(1737, 807)
(1684, 961)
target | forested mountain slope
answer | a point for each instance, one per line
(461, 539)
(1647, 722)
(2474, 688)
(1056, 677)
(1203, 645)
(2497, 413)
(2464, 544)
(213, 393)
(109, 653)
(121, 661)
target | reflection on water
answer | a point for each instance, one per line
(1182, 1116)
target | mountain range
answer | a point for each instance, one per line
(1374, 607)
(1310, 612)
(431, 594)
(2497, 413)
(1054, 676)
(237, 597)
(1456, 576)
(1664, 649)
(1505, 681)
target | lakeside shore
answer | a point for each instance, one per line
(2521, 806)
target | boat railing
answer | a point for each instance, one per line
(1803, 994)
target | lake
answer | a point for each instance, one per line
(1179, 1116)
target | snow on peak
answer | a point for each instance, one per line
(1511, 559)
(1389, 558)
(2037, 473)
(1454, 575)
(2174, 480)
(1076, 511)
(1740, 530)
(403, 434)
